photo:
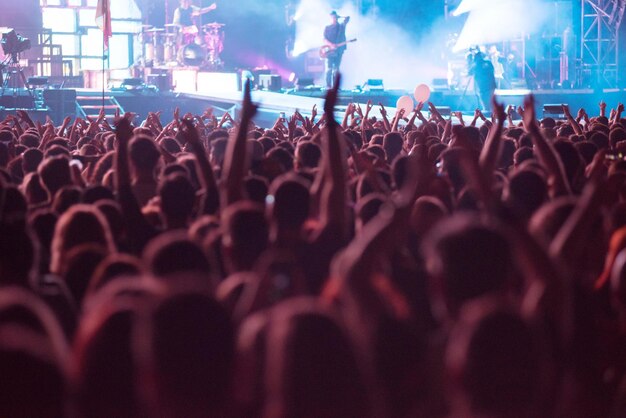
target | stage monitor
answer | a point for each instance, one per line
(270, 82)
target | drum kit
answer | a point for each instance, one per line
(176, 45)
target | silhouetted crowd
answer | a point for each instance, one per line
(398, 266)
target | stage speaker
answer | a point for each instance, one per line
(270, 82)
(303, 83)
(17, 99)
(444, 110)
(374, 84)
(61, 102)
(553, 111)
(161, 81)
(132, 83)
(440, 84)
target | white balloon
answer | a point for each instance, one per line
(422, 93)
(406, 103)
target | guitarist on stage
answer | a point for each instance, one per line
(334, 34)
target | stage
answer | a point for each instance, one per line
(66, 102)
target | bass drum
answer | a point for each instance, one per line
(193, 55)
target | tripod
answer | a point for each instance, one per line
(14, 74)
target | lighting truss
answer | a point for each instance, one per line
(599, 44)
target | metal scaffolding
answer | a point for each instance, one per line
(599, 46)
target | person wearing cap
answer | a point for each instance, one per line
(334, 34)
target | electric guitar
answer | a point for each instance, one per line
(326, 50)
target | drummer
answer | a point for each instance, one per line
(184, 16)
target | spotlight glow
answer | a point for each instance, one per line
(504, 20)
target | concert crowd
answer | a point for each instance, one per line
(402, 266)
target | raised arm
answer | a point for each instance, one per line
(546, 154)
(396, 119)
(491, 150)
(139, 230)
(383, 113)
(236, 158)
(333, 198)
(572, 122)
(205, 174)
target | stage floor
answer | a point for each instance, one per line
(272, 104)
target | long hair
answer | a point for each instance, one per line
(81, 224)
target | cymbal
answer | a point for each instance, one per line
(172, 25)
(155, 30)
(214, 25)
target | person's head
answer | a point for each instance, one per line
(523, 154)
(32, 357)
(392, 143)
(256, 188)
(312, 370)
(245, 234)
(103, 369)
(66, 197)
(570, 157)
(334, 17)
(451, 167)
(33, 375)
(112, 267)
(218, 148)
(367, 208)
(96, 193)
(493, 363)
(42, 223)
(18, 253)
(185, 3)
(526, 192)
(549, 218)
(427, 211)
(281, 158)
(144, 155)
(112, 212)
(172, 253)
(291, 201)
(81, 224)
(54, 173)
(29, 140)
(31, 158)
(467, 259)
(81, 263)
(185, 356)
(308, 155)
(33, 190)
(178, 199)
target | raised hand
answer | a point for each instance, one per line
(383, 111)
(189, 132)
(566, 111)
(528, 114)
(123, 128)
(498, 110)
(331, 102)
(249, 108)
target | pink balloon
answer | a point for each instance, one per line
(422, 93)
(406, 103)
